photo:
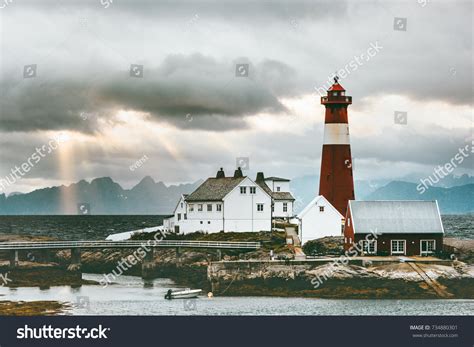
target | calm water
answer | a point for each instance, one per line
(131, 297)
(99, 227)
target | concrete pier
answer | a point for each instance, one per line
(178, 255)
(46, 255)
(14, 262)
(148, 264)
(76, 256)
(75, 260)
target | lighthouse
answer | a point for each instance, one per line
(336, 182)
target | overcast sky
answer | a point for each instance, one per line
(188, 113)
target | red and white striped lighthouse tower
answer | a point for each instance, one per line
(336, 182)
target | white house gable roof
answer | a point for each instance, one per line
(315, 202)
(182, 198)
(391, 217)
(246, 181)
(214, 189)
(285, 196)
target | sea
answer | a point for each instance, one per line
(132, 295)
(97, 227)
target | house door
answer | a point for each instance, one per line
(427, 247)
(398, 247)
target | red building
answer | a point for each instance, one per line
(336, 183)
(394, 227)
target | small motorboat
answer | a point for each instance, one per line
(182, 293)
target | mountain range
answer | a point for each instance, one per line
(104, 196)
(100, 196)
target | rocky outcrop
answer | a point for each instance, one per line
(329, 245)
(461, 249)
(323, 279)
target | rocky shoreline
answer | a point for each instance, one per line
(32, 308)
(277, 278)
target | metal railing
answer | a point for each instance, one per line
(5, 246)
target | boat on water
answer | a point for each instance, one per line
(182, 293)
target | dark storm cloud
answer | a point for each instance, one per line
(247, 11)
(188, 91)
(53, 105)
(200, 86)
(189, 51)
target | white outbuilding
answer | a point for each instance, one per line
(318, 219)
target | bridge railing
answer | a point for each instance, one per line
(19, 245)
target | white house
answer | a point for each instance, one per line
(234, 203)
(318, 219)
(279, 189)
(179, 214)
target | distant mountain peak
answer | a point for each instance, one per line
(105, 179)
(146, 180)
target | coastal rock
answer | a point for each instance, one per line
(329, 245)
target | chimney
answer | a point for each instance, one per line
(260, 177)
(220, 173)
(238, 173)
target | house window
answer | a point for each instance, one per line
(278, 189)
(243, 190)
(208, 222)
(334, 93)
(179, 216)
(199, 207)
(273, 208)
(259, 207)
(427, 246)
(200, 222)
(253, 190)
(321, 208)
(185, 216)
(191, 207)
(218, 207)
(348, 222)
(181, 205)
(343, 93)
(209, 207)
(369, 247)
(285, 207)
(398, 246)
